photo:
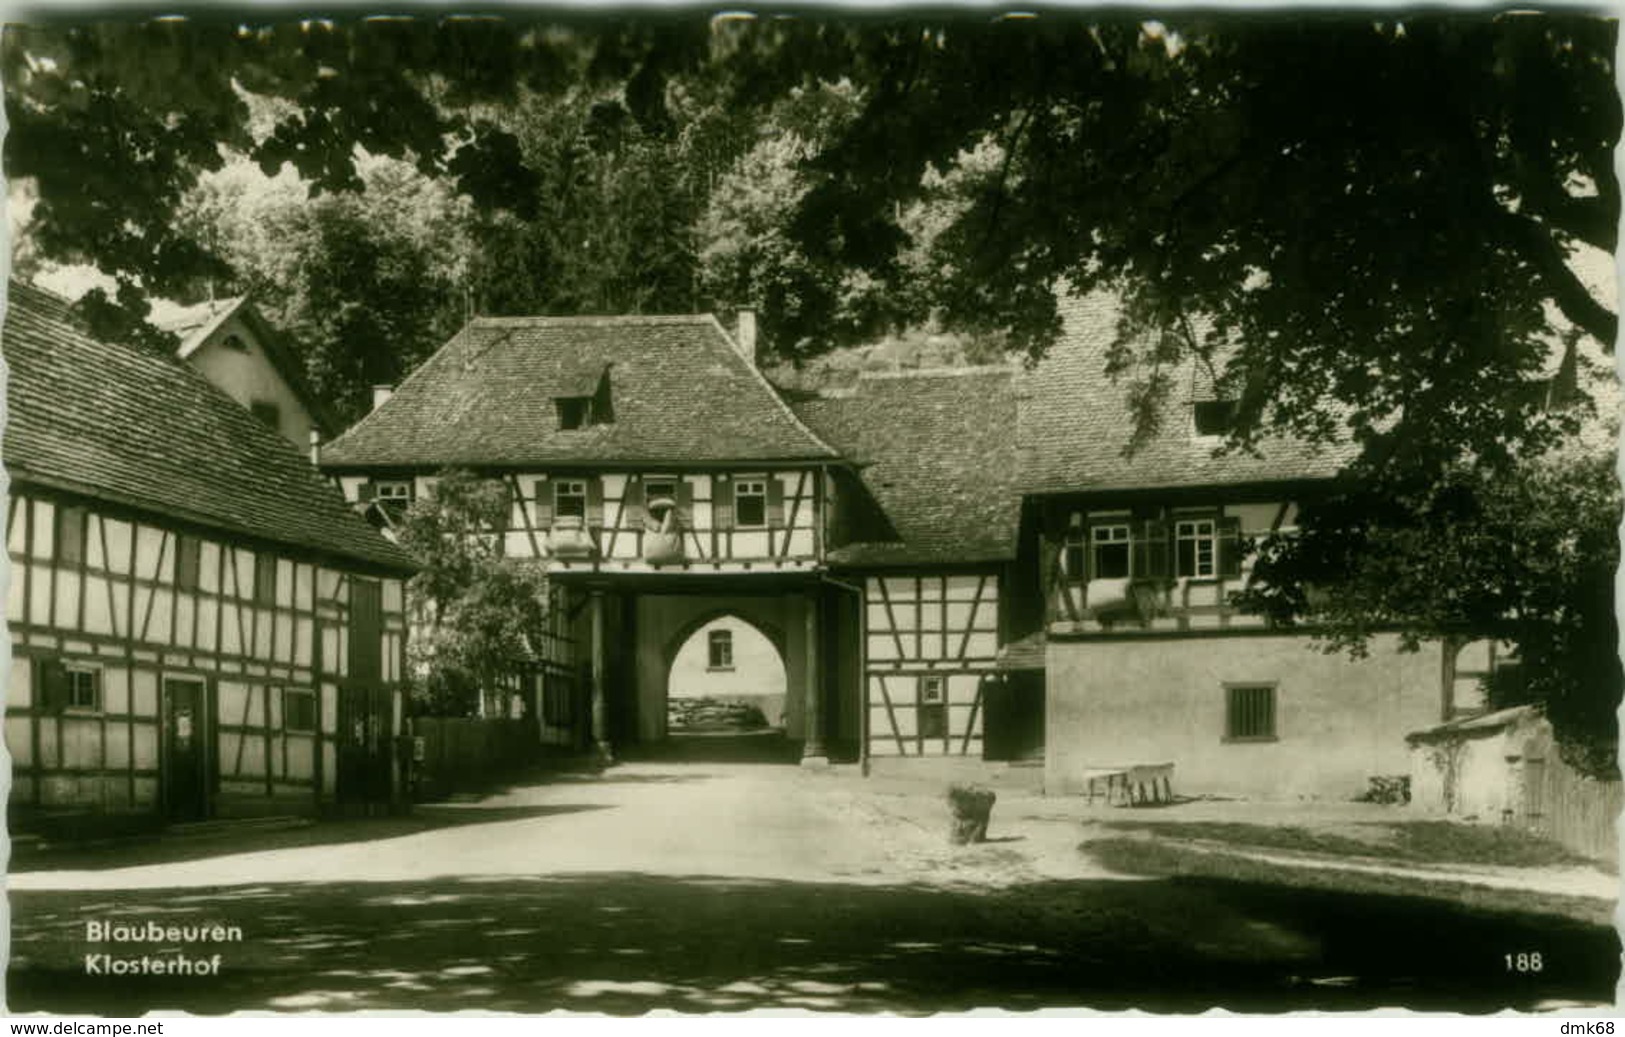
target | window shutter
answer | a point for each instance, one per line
(1150, 548)
(367, 491)
(595, 502)
(685, 501)
(53, 685)
(775, 503)
(722, 503)
(1229, 547)
(70, 534)
(635, 503)
(543, 511)
(505, 516)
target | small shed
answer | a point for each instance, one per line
(1504, 767)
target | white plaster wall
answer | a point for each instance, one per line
(249, 377)
(1145, 700)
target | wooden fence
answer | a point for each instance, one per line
(465, 753)
(1578, 811)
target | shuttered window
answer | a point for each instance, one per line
(70, 534)
(264, 579)
(188, 556)
(750, 504)
(1110, 552)
(1249, 712)
(570, 499)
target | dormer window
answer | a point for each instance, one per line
(574, 411)
(582, 397)
(1214, 417)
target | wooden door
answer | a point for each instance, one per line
(185, 750)
(364, 744)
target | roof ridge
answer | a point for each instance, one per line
(539, 320)
(939, 372)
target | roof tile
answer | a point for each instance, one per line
(680, 393)
(130, 426)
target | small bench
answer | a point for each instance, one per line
(1132, 783)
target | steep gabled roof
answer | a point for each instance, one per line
(937, 452)
(195, 324)
(1075, 424)
(131, 427)
(681, 393)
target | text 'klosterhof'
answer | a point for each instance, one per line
(167, 950)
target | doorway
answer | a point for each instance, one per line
(186, 783)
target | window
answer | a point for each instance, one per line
(574, 411)
(1249, 714)
(933, 706)
(267, 412)
(1214, 417)
(720, 644)
(1195, 548)
(298, 710)
(264, 579)
(84, 689)
(70, 534)
(235, 342)
(393, 498)
(1110, 547)
(570, 498)
(750, 503)
(188, 559)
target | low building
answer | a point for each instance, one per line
(200, 626)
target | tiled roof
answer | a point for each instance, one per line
(679, 390)
(1075, 424)
(146, 431)
(937, 452)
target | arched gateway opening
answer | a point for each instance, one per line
(726, 676)
(719, 677)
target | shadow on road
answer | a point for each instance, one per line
(769, 746)
(628, 943)
(160, 848)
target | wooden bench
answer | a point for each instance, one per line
(1132, 783)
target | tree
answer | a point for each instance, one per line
(1370, 215)
(481, 614)
(1526, 557)
(365, 284)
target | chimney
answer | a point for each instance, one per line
(315, 448)
(745, 334)
(381, 395)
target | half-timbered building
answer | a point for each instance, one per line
(926, 534)
(200, 626)
(1146, 660)
(964, 565)
(660, 477)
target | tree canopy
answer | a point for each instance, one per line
(1369, 225)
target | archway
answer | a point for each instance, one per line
(726, 674)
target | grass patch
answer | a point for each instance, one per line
(1413, 842)
(1133, 856)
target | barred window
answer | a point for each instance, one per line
(1249, 712)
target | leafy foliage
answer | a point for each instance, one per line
(482, 613)
(1526, 557)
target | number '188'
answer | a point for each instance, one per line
(1525, 962)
